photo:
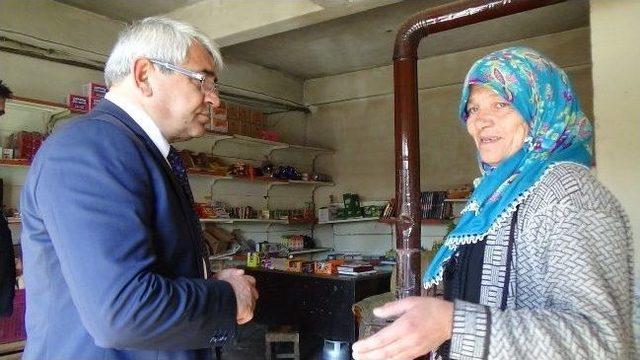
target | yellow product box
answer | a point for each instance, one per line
(253, 259)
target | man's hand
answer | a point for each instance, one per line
(246, 294)
(423, 324)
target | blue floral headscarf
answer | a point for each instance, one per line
(558, 132)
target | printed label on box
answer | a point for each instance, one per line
(94, 90)
(77, 103)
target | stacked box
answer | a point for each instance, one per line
(253, 259)
(352, 205)
(280, 264)
(77, 103)
(257, 123)
(94, 92)
(232, 118)
(295, 265)
(218, 121)
(25, 144)
(308, 267)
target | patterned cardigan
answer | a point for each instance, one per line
(570, 289)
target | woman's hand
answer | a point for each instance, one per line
(423, 324)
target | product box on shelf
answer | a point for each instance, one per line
(257, 117)
(256, 130)
(25, 144)
(234, 126)
(232, 111)
(6, 153)
(217, 125)
(295, 265)
(94, 90)
(77, 103)
(244, 114)
(245, 128)
(253, 259)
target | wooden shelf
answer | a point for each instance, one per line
(389, 221)
(17, 163)
(344, 221)
(258, 179)
(268, 145)
(256, 221)
(308, 251)
(392, 221)
(12, 347)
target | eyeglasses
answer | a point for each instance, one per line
(207, 83)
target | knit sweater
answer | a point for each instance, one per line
(570, 289)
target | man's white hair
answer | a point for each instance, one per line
(156, 38)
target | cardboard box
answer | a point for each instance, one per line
(244, 114)
(256, 130)
(245, 128)
(94, 90)
(257, 117)
(217, 125)
(220, 113)
(308, 267)
(295, 265)
(25, 144)
(77, 103)
(253, 259)
(234, 126)
(232, 111)
(7, 153)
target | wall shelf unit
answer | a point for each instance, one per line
(255, 221)
(266, 146)
(389, 221)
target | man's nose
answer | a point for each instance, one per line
(212, 99)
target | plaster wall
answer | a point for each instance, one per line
(615, 33)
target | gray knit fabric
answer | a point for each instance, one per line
(570, 292)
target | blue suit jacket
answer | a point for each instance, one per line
(112, 265)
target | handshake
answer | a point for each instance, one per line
(244, 287)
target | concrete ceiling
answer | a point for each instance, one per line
(128, 10)
(365, 40)
(317, 38)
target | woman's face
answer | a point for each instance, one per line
(496, 127)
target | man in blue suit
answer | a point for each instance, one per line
(114, 260)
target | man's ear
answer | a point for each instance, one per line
(142, 69)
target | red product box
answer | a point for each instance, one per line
(217, 125)
(232, 112)
(94, 90)
(257, 117)
(25, 144)
(77, 103)
(269, 135)
(244, 114)
(220, 113)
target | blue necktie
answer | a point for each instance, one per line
(180, 172)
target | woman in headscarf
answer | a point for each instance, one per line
(539, 265)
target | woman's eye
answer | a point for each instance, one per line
(502, 105)
(472, 110)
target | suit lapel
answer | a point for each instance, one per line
(120, 118)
